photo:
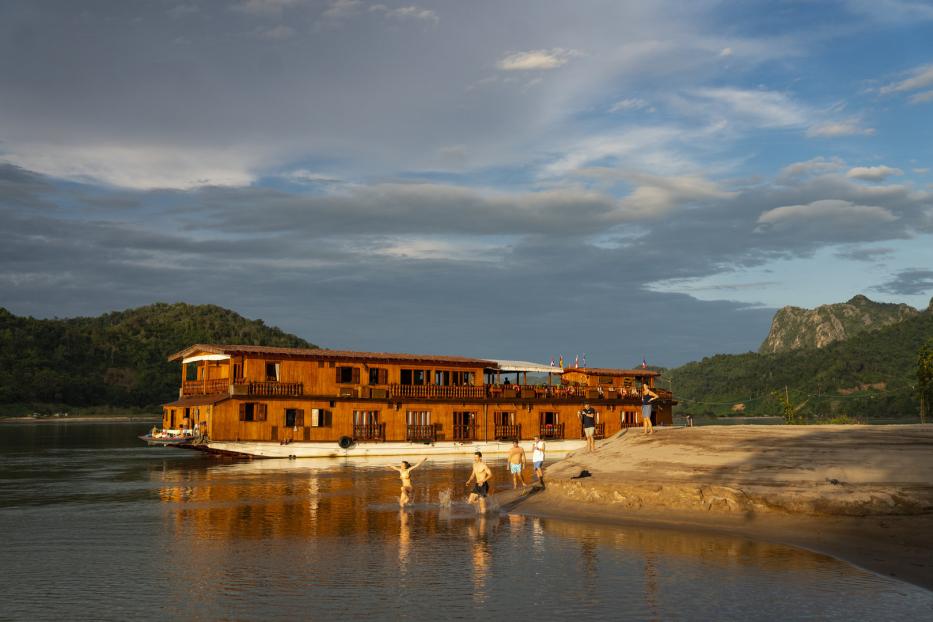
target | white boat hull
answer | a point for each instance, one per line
(299, 449)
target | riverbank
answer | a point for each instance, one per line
(863, 494)
(83, 418)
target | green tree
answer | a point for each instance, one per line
(925, 377)
(793, 414)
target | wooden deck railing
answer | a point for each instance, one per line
(205, 387)
(421, 433)
(507, 432)
(465, 432)
(551, 431)
(275, 388)
(434, 391)
(369, 432)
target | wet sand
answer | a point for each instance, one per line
(863, 494)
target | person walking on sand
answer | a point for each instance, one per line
(588, 420)
(537, 458)
(647, 396)
(404, 472)
(481, 475)
(516, 465)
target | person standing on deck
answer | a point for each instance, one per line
(516, 465)
(647, 396)
(404, 472)
(481, 475)
(537, 458)
(588, 419)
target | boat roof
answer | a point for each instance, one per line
(324, 354)
(528, 366)
(198, 400)
(605, 371)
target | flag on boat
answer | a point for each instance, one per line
(561, 361)
(576, 360)
(552, 361)
(644, 363)
(584, 360)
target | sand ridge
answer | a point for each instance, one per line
(861, 493)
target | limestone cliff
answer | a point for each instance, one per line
(794, 328)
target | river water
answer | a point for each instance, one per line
(96, 525)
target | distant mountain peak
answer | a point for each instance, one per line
(793, 328)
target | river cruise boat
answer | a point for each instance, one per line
(317, 403)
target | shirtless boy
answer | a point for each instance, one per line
(404, 472)
(516, 465)
(481, 475)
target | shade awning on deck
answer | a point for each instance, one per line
(524, 366)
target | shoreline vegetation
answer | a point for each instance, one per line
(862, 494)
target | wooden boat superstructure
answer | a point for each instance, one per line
(260, 400)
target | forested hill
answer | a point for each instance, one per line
(869, 374)
(117, 359)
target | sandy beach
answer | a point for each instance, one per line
(863, 494)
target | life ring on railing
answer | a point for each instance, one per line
(345, 442)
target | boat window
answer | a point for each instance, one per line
(605, 380)
(294, 417)
(191, 371)
(378, 375)
(348, 375)
(419, 417)
(549, 418)
(503, 418)
(321, 418)
(365, 417)
(272, 371)
(252, 411)
(415, 376)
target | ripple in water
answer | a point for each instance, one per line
(175, 534)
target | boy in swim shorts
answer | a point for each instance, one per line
(516, 464)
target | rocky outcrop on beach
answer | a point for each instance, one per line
(793, 328)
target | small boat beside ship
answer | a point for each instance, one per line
(170, 437)
(273, 402)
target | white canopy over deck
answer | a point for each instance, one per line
(524, 366)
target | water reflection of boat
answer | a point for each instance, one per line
(170, 438)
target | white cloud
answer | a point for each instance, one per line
(141, 167)
(340, 9)
(264, 7)
(639, 142)
(873, 173)
(922, 78)
(831, 129)
(826, 210)
(921, 98)
(654, 195)
(536, 60)
(725, 52)
(768, 109)
(406, 12)
(632, 103)
(815, 166)
(921, 170)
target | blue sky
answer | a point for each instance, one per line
(513, 180)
